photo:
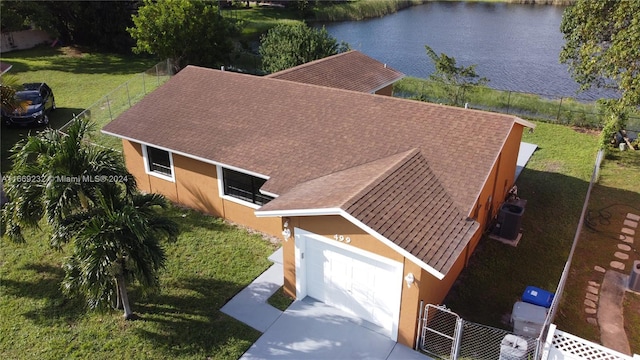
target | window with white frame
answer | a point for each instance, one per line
(159, 161)
(244, 187)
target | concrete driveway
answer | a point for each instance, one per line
(309, 329)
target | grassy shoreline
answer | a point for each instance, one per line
(366, 9)
(548, 108)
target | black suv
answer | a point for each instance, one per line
(40, 101)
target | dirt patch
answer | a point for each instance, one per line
(553, 166)
(582, 130)
(72, 51)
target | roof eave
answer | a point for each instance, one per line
(195, 157)
(388, 83)
(525, 123)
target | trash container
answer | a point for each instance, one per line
(511, 216)
(528, 319)
(513, 347)
(537, 296)
(634, 277)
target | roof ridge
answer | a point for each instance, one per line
(378, 179)
(313, 62)
(366, 184)
(415, 152)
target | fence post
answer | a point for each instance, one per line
(157, 75)
(109, 107)
(458, 335)
(559, 109)
(419, 332)
(144, 88)
(128, 95)
(509, 101)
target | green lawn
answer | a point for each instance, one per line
(564, 110)
(210, 262)
(78, 80)
(256, 20)
(554, 183)
(280, 300)
(616, 194)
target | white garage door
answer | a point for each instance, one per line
(358, 282)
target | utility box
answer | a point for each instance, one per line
(510, 218)
(537, 296)
(634, 277)
(528, 319)
(513, 348)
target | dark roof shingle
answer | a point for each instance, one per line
(351, 70)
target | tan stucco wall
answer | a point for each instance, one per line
(387, 90)
(245, 216)
(195, 186)
(133, 160)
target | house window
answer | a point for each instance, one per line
(244, 187)
(159, 161)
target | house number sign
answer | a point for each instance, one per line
(342, 238)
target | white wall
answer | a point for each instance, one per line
(20, 40)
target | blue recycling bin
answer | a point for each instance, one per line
(537, 296)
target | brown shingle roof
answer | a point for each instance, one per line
(294, 133)
(336, 189)
(400, 198)
(4, 67)
(351, 70)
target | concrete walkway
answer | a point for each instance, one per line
(604, 303)
(525, 153)
(610, 314)
(308, 329)
(250, 305)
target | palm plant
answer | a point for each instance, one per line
(116, 242)
(55, 175)
(8, 87)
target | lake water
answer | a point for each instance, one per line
(515, 46)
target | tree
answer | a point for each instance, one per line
(602, 46)
(602, 49)
(97, 24)
(116, 242)
(288, 45)
(456, 80)
(55, 175)
(185, 31)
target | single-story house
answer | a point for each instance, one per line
(379, 201)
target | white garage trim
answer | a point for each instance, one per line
(388, 271)
(337, 211)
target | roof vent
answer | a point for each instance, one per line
(385, 66)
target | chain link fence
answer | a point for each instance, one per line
(545, 107)
(445, 335)
(120, 99)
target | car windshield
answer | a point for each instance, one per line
(33, 97)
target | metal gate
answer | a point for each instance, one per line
(440, 332)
